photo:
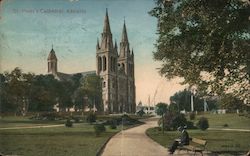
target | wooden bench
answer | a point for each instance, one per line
(195, 145)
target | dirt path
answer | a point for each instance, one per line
(134, 142)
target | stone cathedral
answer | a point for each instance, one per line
(116, 68)
(114, 65)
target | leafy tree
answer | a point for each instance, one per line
(206, 43)
(231, 103)
(181, 101)
(161, 109)
(91, 87)
(44, 93)
(17, 90)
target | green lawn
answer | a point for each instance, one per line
(78, 140)
(218, 141)
(59, 141)
(233, 120)
(12, 121)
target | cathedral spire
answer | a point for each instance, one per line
(115, 45)
(106, 41)
(124, 33)
(97, 44)
(106, 28)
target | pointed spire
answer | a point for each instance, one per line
(97, 45)
(106, 28)
(124, 33)
(52, 55)
(132, 52)
(115, 45)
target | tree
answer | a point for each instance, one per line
(231, 103)
(17, 90)
(181, 101)
(91, 87)
(44, 93)
(161, 109)
(205, 42)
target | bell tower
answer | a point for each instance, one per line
(52, 62)
(106, 62)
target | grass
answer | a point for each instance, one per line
(233, 121)
(19, 121)
(218, 141)
(231, 142)
(78, 140)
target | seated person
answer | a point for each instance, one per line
(184, 140)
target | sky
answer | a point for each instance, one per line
(29, 28)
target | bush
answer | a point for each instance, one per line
(76, 119)
(203, 123)
(192, 116)
(51, 116)
(91, 118)
(68, 123)
(113, 124)
(173, 120)
(99, 128)
(178, 120)
(140, 113)
(225, 125)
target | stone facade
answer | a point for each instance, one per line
(116, 70)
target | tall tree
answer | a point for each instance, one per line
(206, 42)
(91, 86)
(231, 103)
(18, 90)
(182, 101)
(161, 109)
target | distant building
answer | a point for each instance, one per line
(53, 68)
(115, 69)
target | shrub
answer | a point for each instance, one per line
(173, 120)
(113, 124)
(91, 118)
(225, 125)
(68, 123)
(192, 116)
(140, 113)
(99, 128)
(76, 119)
(203, 123)
(178, 120)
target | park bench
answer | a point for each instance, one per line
(195, 145)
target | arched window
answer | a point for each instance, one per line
(114, 64)
(99, 63)
(123, 66)
(104, 84)
(111, 65)
(104, 63)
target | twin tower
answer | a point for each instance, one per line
(116, 71)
